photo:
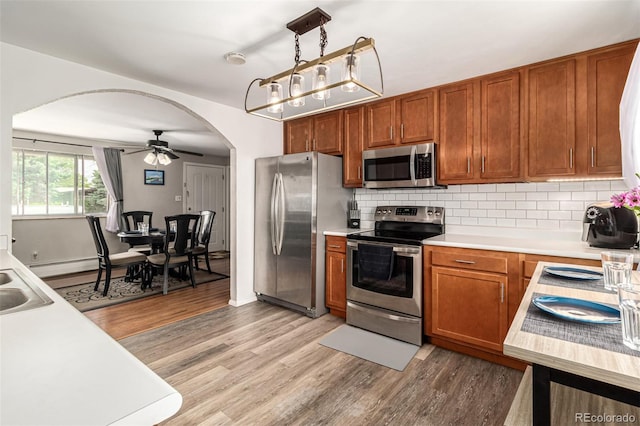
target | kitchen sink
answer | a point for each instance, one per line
(18, 294)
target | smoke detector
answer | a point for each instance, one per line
(235, 58)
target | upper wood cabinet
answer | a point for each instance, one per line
(606, 76)
(552, 119)
(500, 147)
(322, 133)
(418, 117)
(408, 119)
(353, 140)
(380, 121)
(455, 147)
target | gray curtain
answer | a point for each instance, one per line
(110, 168)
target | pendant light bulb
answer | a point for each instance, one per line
(297, 89)
(274, 95)
(321, 80)
(350, 72)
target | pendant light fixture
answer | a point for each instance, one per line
(288, 94)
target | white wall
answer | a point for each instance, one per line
(29, 79)
(548, 206)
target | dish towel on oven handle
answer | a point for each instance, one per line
(375, 262)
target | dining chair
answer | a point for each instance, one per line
(131, 220)
(178, 253)
(202, 238)
(107, 261)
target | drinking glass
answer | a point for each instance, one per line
(629, 298)
(616, 267)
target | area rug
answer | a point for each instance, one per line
(85, 299)
(373, 347)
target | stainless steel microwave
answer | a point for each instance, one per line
(411, 166)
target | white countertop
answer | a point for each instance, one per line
(59, 368)
(543, 243)
(343, 232)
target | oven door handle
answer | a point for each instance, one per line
(399, 250)
(380, 314)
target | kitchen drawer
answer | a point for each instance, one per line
(334, 243)
(531, 261)
(478, 260)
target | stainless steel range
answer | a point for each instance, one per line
(384, 271)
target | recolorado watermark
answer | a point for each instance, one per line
(605, 418)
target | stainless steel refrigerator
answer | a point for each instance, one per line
(298, 197)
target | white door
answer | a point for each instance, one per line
(205, 189)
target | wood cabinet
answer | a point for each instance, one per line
(457, 133)
(480, 138)
(353, 140)
(606, 77)
(408, 119)
(467, 295)
(500, 137)
(552, 119)
(336, 275)
(322, 133)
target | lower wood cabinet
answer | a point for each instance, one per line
(468, 295)
(336, 275)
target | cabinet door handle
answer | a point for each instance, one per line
(334, 246)
(402, 131)
(571, 158)
(467, 262)
(306, 144)
(468, 165)
(593, 156)
(391, 132)
(501, 292)
(342, 266)
(482, 169)
(314, 144)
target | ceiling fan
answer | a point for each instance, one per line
(160, 153)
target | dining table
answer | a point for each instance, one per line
(154, 238)
(580, 354)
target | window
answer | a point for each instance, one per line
(51, 183)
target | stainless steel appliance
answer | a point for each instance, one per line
(609, 227)
(411, 166)
(384, 271)
(298, 197)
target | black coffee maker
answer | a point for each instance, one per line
(609, 227)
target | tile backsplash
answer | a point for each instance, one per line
(543, 205)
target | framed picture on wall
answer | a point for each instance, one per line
(153, 177)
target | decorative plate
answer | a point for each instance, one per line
(578, 309)
(573, 273)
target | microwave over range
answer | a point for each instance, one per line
(411, 166)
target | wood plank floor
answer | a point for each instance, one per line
(141, 315)
(259, 364)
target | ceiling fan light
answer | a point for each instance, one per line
(164, 159)
(320, 80)
(296, 88)
(151, 158)
(350, 72)
(274, 95)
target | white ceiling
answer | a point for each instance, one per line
(181, 45)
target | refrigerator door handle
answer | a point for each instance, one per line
(280, 213)
(272, 222)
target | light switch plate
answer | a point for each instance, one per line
(178, 197)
